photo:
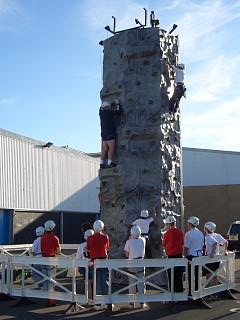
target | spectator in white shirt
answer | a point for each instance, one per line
(83, 254)
(193, 247)
(36, 251)
(213, 241)
(135, 249)
(143, 222)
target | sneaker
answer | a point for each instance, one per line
(143, 305)
(98, 307)
(112, 165)
(102, 166)
(133, 305)
(51, 303)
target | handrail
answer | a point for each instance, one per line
(156, 291)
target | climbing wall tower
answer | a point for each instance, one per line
(138, 71)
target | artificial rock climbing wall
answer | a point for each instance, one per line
(138, 71)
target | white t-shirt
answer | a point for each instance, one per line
(143, 224)
(135, 247)
(180, 75)
(81, 250)
(36, 247)
(194, 241)
(212, 238)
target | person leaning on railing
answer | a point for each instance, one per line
(50, 246)
(173, 245)
(36, 252)
(212, 242)
(98, 247)
(83, 254)
(193, 247)
(135, 249)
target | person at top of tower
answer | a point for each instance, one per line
(107, 113)
(180, 88)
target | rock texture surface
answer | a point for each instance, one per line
(138, 71)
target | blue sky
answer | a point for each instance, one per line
(51, 67)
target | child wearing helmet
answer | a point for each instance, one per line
(98, 247)
(212, 241)
(193, 247)
(143, 222)
(135, 249)
(83, 254)
(36, 251)
(50, 246)
(173, 245)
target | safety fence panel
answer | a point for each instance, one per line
(16, 250)
(67, 250)
(149, 276)
(3, 274)
(50, 278)
(209, 281)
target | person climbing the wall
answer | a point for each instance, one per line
(143, 222)
(180, 88)
(107, 113)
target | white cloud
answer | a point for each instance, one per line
(98, 14)
(211, 80)
(217, 128)
(200, 23)
(9, 9)
(7, 101)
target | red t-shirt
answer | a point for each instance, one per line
(98, 245)
(173, 241)
(49, 244)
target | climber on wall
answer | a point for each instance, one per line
(107, 113)
(179, 90)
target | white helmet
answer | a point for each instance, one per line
(170, 219)
(88, 233)
(39, 231)
(98, 225)
(181, 66)
(144, 213)
(106, 104)
(193, 220)
(135, 231)
(49, 225)
(210, 226)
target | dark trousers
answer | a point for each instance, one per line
(176, 97)
(196, 268)
(178, 275)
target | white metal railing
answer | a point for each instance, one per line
(25, 249)
(25, 288)
(225, 274)
(149, 270)
(155, 292)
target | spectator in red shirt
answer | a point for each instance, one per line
(50, 247)
(173, 241)
(97, 247)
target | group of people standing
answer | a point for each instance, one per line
(194, 243)
(95, 245)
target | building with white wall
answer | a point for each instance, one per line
(38, 182)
